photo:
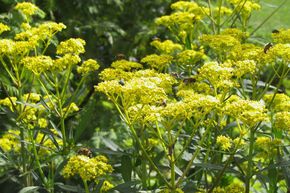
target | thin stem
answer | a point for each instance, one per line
(267, 18)
(196, 153)
(86, 186)
(132, 129)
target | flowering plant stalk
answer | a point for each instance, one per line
(206, 102)
(40, 98)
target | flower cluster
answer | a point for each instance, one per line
(246, 7)
(167, 46)
(28, 9)
(87, 168)
(248, 111)
(282, 36)
(3, 28)
(158, 62)
(71, 46)
(224, 142)
(268, 146)
(87, 66)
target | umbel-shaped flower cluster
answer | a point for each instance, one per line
(205, 98)
(39, 97)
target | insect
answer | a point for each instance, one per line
(267, 47)
(122, 82)
(189, 80)
(275, 31)
(120, 56)
(85, 151)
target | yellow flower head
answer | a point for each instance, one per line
(246, 7)
(158, 62)
(282, 120)
(236, 33)
(27, 8)
(65, 61)
(3, 28)
(10, 141)
(218, 75)
(71, 46)
(87, 66)
(181, 20)
(281, 102)
(190, 57)
(33, 97)
(37, 64)
(87, 168)
(282, 36)
(166, 47)
(9, 102)
(247, 111)
(220, 43)
(224, 142)
(7, 46)
(126, 65)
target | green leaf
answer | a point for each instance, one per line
(126, 168)
(29, 189)
(68, 187)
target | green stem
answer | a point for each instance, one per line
(250, 161)
(86, 186)
(193, 157)
(35, 153)
(126, 119)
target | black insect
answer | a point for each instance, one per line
(267, 47)
(275, 31)
(122, 82)
(85, 151)
(189, 80)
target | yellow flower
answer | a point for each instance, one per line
(3, 28)
(65, 61)
(126, 65)
(106, 186)
(42, 123)
(190, 57)
(71, 46)
(246, 7)
(182, 20)
(220, 43)
(10, 141)
(37, 64)
(87, 168)
(244, 67)
(224, 142)
(71, 109)
(282, 120)
(42, 32)
(282, 36)
(166, 47)
(7, 46)
(236, 33)
(218, 75)
(158, 62)
(9, 102)
(34, 97)
(27, 8)
(87, 66)
(248, 111)
(281, 102)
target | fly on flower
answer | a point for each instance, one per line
(85, 151)
(267, 47)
